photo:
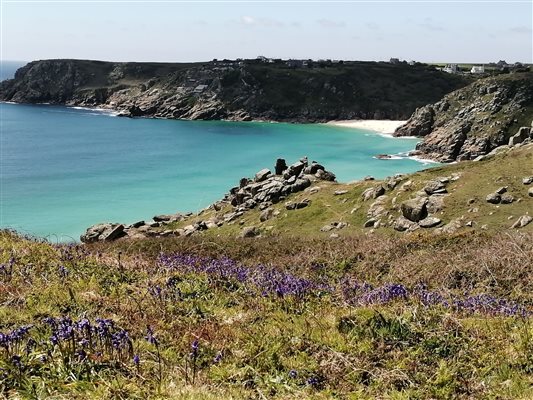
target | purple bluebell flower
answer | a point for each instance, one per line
(150, 338)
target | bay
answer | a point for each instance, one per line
(64, 169)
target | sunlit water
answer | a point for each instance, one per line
(64, 169)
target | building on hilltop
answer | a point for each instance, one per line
(394, 61)
(452, 68)
(477, 69)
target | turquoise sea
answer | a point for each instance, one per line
(64, 169)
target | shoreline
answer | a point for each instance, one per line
(382, 126)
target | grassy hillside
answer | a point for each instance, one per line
(289, 315)
(464, 201)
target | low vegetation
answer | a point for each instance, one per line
(362, 317)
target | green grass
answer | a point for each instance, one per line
(396, 350)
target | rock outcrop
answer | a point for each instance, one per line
(260, 192)
(239, 90)
(474, 120)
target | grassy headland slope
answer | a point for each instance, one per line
(473, 120)
(489, 195)
(238, 90)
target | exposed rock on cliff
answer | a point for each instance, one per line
(234, 90)
(474, 120)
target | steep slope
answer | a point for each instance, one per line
(237, 90)
(474, 120)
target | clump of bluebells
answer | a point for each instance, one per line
(267, 281)
(357, 293)
(74, 345)
(270, 281)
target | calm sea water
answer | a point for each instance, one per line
(64, 169)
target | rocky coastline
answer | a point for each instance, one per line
(262, 191)
(239, 90)
(473, 121)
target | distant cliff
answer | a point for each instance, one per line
(235, 90)
(474, 120)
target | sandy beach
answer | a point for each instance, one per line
(384, 126)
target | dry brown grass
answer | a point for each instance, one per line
(498, 263)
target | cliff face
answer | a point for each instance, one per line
(473, 120)
(233, 90)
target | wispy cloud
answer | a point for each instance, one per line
(328, 23)
(372, 25)
(254, 21)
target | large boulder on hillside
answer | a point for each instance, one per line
(435, 187)
(493, 198)
(262, 175)
(373, 192)
(429, 222)
(325, 175)
(522, 134)
(415, 209)
(522, 221)
(103, 232)
(249, 232)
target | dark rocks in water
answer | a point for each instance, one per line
(167, 217)
(383, 157)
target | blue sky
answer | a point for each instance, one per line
(429, 31)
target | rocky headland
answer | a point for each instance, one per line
(293, 91)
(474, 120)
